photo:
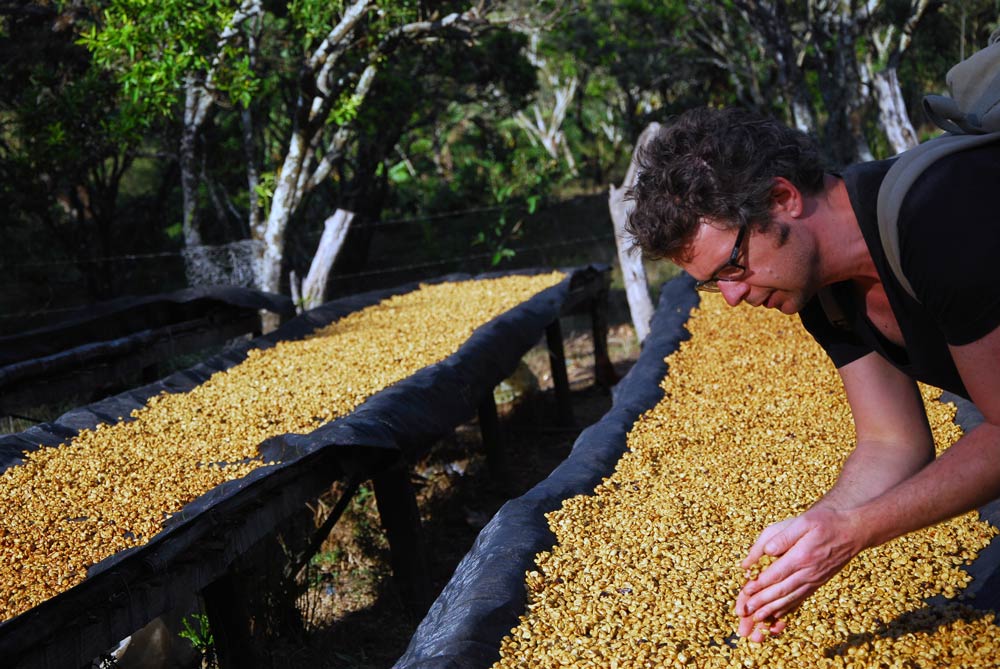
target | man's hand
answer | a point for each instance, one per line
(811, 549)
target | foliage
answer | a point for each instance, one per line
(199, 633)
(92, 101)
(152, 47)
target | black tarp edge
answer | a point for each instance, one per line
(482, 601)
(448, 392)
(118, 407)
(124, 316)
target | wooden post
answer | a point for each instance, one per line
(557, 363)
(230, 622)
(640, 304)
(397, 507)
(496, 457)
(312, 291)
(604, 371)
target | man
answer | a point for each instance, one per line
(743, 205)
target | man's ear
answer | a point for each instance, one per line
(786, 198)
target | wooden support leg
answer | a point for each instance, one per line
(397, 507)
(496, 457)
(230, 622)
(295, 567)
(557, 363)
(604, 371)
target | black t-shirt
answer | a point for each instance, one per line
(950, 253)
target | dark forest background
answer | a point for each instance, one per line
(150, 146)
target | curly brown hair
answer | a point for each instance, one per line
(718, 164)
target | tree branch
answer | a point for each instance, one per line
(466, 23)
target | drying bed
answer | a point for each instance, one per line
(642, 569)
(109, 344)
(215, 456)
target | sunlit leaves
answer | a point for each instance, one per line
(152, 46)
(314, 18)
(345, 110)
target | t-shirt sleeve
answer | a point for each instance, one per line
(950, 243)
(843, 346)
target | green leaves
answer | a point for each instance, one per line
(346, 109)
(199, 633)
(152, 48)
(265, 189)
(313, 19)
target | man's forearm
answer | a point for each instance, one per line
(963, 478)
(872, 469)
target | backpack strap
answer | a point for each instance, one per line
(971, 115)
(908, 166)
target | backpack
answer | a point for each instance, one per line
(971, 117)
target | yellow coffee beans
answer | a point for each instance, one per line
(753, 428)
(110, 488)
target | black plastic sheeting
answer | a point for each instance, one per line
(482, 601)
(128, 589)
(109, 346)
(485, 597)
(125, 316)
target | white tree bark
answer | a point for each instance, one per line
(313, 291)
(880, 72)
(548, 131)
(892, 110)
(633, 273)
(199, 96)
(302, 170)
(283, 202)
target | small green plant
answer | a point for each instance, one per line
(200, 636)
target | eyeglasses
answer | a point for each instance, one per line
(730, 271)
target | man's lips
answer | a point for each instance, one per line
(766, 302)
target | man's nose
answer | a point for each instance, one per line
(733, 292)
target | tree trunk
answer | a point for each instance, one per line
(283, 203)
(189, 187)
(313, 291)
(892, 110)
(633, 273)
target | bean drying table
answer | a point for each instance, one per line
(485, 597)
(109, 345)
(199, 545)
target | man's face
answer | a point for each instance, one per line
(780, 264)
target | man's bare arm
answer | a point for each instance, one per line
(967, 475)
(893, 443)
(892, 434)
(816, 545)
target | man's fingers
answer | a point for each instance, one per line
(781, 569)
(775, 540)
(784, 576)
(757, 550)
(781, 542)
(779, 607)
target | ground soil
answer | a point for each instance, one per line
(352, 613)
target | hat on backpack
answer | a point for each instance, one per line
(974, 105)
